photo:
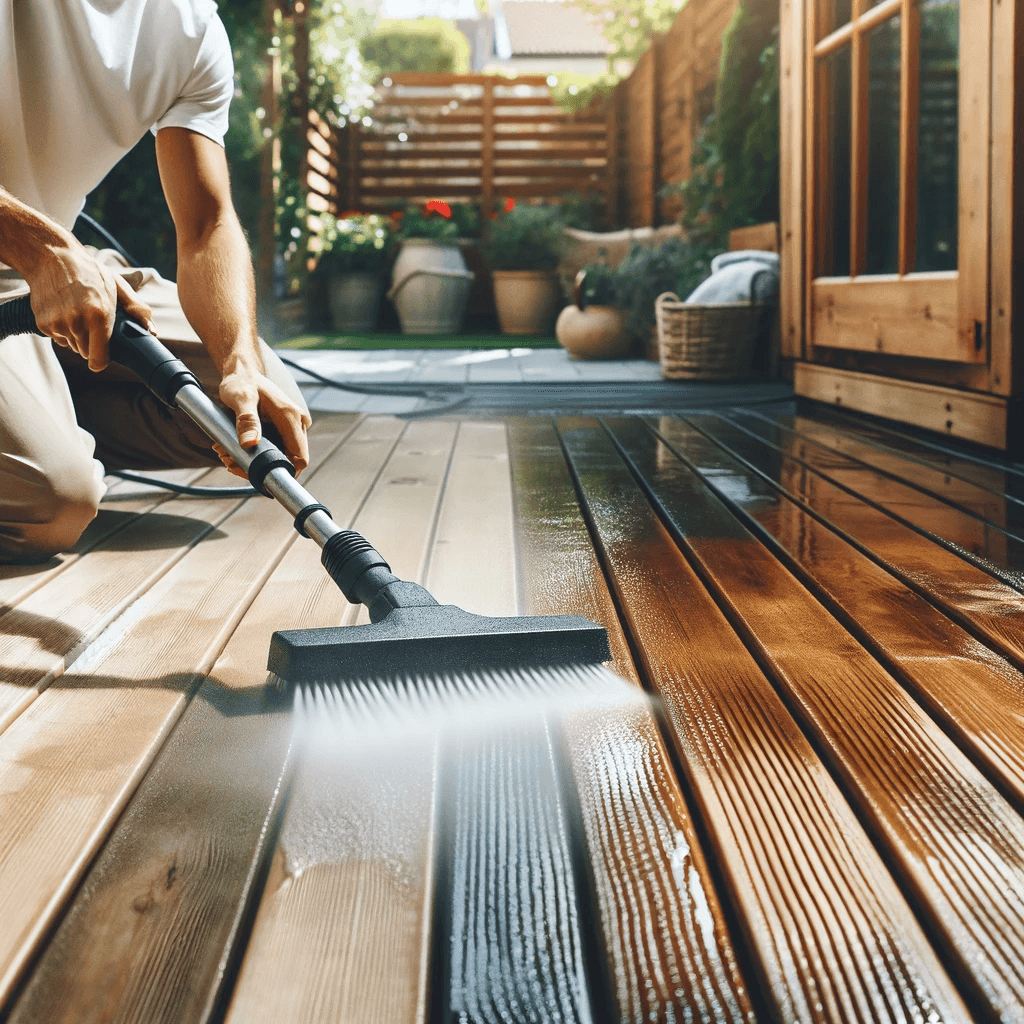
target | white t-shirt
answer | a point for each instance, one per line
(81, 81)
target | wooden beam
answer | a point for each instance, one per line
(975, 184)
(964, 414)
(909, 316)
(910, 118)
(1006, 359)
(794, 210)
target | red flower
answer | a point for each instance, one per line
(436, 206)
(509, 205)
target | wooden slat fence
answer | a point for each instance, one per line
(482, 138)
(661, 108)
(458, 138)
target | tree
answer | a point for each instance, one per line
(629, 25)
(426, 44)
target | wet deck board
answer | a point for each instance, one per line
(816, 815)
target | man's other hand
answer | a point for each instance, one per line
(74, 300)
(252, 396)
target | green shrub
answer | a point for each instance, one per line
(425, 44)
(675, 266)
(525, 237)
(734, 180)
(355, 244)
(599, 285)
(431, 220)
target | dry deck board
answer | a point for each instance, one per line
(342, 928)
(829, 933)
(136, 945)
(123, 502)
(70, 761)
(955, 843)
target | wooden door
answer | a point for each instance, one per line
(898, 177)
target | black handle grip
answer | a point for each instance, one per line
(130, 346)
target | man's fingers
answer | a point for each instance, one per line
(97, 348)
(229, 464)
(242, 398)
(133, 306)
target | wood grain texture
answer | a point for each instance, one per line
(976, 694)
(906, 777)
(515, 944)
(969, 416)
(914, 316)
(343, 923)
(121, 504)
(988, 502)
(669, 955)
(960, 530)
(831, 936)
(149, 934)
(72, 759)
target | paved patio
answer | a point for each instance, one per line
(509, 380)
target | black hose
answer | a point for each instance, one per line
(462, 396)
(197, 491)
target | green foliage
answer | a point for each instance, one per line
(426, 44)
(677, 265)
(582, 210)
(575, 93)
(629, 24)
(525, 237)
(734, 177)
(431, 220)
(600, 285)
(355, 244)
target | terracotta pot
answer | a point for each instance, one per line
(354, 300)
(430, 287)
(527, 300)
(597, 332)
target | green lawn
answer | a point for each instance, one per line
(384, 341)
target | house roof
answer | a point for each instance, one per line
(550, 28)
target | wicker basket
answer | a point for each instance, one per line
(707, 341)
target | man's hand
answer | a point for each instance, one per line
(74, 300)
(252, 396)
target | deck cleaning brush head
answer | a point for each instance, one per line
(410, 633)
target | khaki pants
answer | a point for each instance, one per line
(61, 424)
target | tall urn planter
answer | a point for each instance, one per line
(527, 300)
(430, 287)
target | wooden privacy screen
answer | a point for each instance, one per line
(480, 138)
(661, 108)
(458, 138)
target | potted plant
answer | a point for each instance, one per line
(430, 282)
(594, 327)
(675, 266)
(522, 250)
(354, 250)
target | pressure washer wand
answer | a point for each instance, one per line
(408, 629)
(359, 570)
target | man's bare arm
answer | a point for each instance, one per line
(74, 298)
(217, 290)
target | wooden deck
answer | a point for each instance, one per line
(816, 818)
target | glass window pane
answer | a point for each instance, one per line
(938, 154)
(833, 14)
(834, 184)
(883, 227)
